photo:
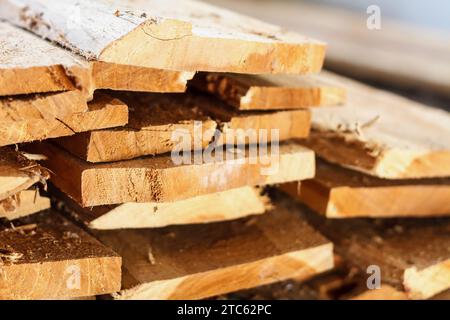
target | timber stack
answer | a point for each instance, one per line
(141, 143)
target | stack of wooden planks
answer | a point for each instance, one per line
(164, 122)
(158, 129)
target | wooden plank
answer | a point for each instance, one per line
(18, 173)
(157, 123)
(29, 64)
(44, 256)
(341, 193)
(163, 178)
(200, 261)
(177, 35)
(221, 206)
(269, 92)
(384, 56)
(382, 134)
(386, 292)
(42, 117)
(23, 204)
(412, 254)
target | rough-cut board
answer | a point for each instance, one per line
(29, 64)
(18, 173)
(199, 261)
(226, 205)
(160, 122)
(413, 255)
(382, 134)
(269, 92)
(174, 34)
(385, 55)
(386, 292)
(23, 204)
(160, 179)
(342, 193)
(44, 256)
(42, 117)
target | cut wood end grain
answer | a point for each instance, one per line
(200, 261)
(158, 123)
(169, 178)
(29, 65)
(342, 193)
(412, 254)
(266, 92)
(59, 260)
(174, 35)
(42, 117)
(382, 134)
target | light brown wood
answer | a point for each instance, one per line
(200, 261)
(384, 56)
(42, 117)
(44, 256)
(386, 292)
(23, 204)
(341, 193)
(382, 134)
(269, 92)
(29, 64)
(178, 35)
(18, 173)
(157, 122)
(412, 254)
(160, 179)
(221, 206)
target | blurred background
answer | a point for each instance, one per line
(409, 53)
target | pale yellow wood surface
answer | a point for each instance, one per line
(200, 261)
(23, 204)
(221, 206)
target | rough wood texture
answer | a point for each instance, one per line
(221, 206)
(44, 256)
(386, 292)
(269, 92)
(29, 64)
(158, 121)
(199, 261)
(385, 55)
(177, 35)
(23, 204)
(382, 134)
(341, 193)
(159, 179)
(18, 173)
(413, 255)
(55, 115)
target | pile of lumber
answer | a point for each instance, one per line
(143, 145)
(155, 129)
